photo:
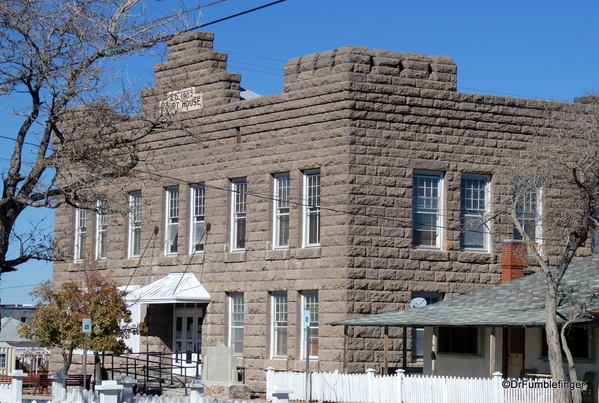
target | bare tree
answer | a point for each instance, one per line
(57, 59)
(560, 171)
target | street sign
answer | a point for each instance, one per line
(307, 318)
(87, 326)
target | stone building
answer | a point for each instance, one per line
(354, 192)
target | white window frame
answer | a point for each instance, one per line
(428, 200)
(312, 208)
(236, 322)
(238, 214)
(80, 234)
(529, 210)
(198, 218)
(281, 210)
(475, 208)
(171, 235)
(309, 301)
(101, 230)
(3, 359)
(280, 324)
(135, 222)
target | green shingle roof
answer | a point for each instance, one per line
(519, 303)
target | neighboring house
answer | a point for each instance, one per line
(23, 313)
(354, 192)
(501, 328)
(17, 352)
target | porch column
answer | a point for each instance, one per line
(405, 347)
(344, 349)
(492, 352)
(434, 353)
(386, 350)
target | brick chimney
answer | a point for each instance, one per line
(514, 259)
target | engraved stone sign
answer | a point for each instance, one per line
(181, 101)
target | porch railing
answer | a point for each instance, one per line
(154, 370)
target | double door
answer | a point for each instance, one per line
(187, 337)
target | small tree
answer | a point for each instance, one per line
(58, 320)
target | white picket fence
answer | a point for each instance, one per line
(399, 388)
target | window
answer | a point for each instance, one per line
(310, 303)
(579, 339)
(279, 324)
(238, 209)
(426, 210)
(236, 317)
(420, 300)
(171, 236)
(2, 360)
(312, 208)
(101, 230)
(528, 213)
(281, 209)
(134, 223)
(198, 206)
(459, 340)
(475, 212)
(80, 233)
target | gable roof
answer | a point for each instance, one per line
(518, 302)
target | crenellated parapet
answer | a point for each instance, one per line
(357, 63)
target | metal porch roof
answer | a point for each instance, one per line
(174, 288)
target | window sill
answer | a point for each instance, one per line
(234, 257)
(277, 254)
(308, 253)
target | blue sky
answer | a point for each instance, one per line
(526, 48)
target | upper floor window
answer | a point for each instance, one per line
(312, 208)
(281, 210)
(238, 214)
(475, 212)
(80, 233)
(101, 230)
(427, 210)
(528, 213)
(171, 236)
(310, 306)
(134, 223)
(198, 207)
(236, 321)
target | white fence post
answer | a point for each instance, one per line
(270, 373)
(109, 391)
(370, 384)
(17, 385)
(400, 374)
(58, 386)
(497, 387)
(127, 382)
(280, 394)
(196, 390)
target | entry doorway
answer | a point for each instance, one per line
(513, 351)
(187, 335)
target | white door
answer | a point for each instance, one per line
(187, 338)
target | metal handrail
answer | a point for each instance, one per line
(155, 368)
